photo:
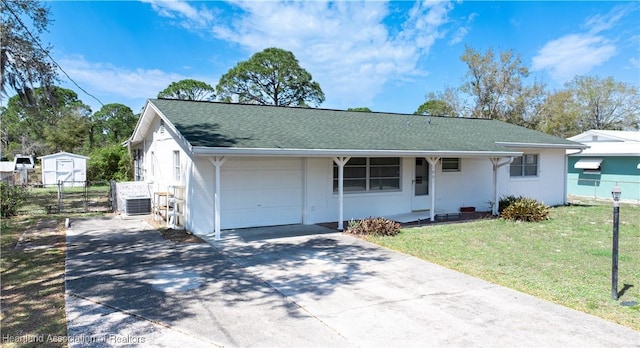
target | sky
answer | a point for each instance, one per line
(384, 55)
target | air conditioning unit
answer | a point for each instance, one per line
(137, 206)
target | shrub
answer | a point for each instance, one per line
(506, 201)
(11, 198)
(525, 209)
(109, 163)
(373, 226)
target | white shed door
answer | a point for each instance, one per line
(260, 192)
(64, 170)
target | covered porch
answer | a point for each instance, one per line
(422, 187)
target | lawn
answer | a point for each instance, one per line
(566, 260)
(72, 199)
(32, 269)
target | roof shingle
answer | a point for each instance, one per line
(212, 124)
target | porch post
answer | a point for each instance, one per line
(432, 164)
(217, 163)
(340, 162)
(495, 162)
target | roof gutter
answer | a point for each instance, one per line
(221, 151)
(542, 145)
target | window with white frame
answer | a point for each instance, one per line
(450, 164)
(176, 165)
(526, 165)
(152, 164)
(369, 175)
(138, 156)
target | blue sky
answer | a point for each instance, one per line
(383, 55)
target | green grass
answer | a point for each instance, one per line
(73, 199)
(566, 260)
(32, 286)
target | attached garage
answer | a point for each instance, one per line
(261, 192)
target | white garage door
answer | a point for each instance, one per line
(260, 192)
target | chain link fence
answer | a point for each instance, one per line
(69, 197)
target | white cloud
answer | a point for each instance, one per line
(107, 78)
(601, 22)
(578, 53)
(345, 45)
(187, 15)
(572, 55)
(109, 82)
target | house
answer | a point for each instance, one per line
(613, 157)
(250, 165)
(16, 172)
(69, 168)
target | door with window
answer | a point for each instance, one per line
(420, 200)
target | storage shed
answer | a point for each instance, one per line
(63, 166)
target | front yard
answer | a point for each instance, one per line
(32, 270)
(566, 260)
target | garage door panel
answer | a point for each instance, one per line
(261, 192)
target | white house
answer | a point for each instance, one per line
(249, 165)
(64, 166)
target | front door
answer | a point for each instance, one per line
(420, 199)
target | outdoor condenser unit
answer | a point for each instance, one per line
(137, 205)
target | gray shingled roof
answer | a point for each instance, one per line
(211, 124)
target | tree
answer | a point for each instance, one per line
(112, 124)
(589, 102)
(447, 102)
(360, 109)
(605, 103)
(435, 107)
(24, 61)
(494, 83)
(31, 125)
(109, 163)
(188, 90)
(558, 115)
(69, 133)
(270, 77)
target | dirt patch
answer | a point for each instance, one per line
(176, 236)
(36, 237)
(180, 236)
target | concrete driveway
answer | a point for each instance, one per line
(297, 286)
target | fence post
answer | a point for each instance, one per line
(60, 196)
(112, 196)
(86, 195)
